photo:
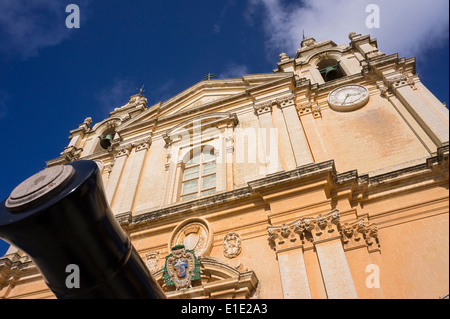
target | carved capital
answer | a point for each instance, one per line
(310, 107)
(352, 234)
(304, 108)
(385, 91)
(400, 81)
(286, 101)
(316, 110)
(123, 150)
(360, 233)
(370, 233)
(283, 237)
(142, 144)
(263, 108)
(326, 226)
(306, 231)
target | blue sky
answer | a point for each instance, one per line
(52, 77)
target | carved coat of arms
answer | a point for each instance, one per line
(181, 268)
(232, 246)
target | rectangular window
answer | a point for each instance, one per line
(209, 192)
(190, 173)
(190, 187)
(199, 176)
(209, 168)
(208, 181)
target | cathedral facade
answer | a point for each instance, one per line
(326, 178)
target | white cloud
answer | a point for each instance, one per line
(27, 26)
(233, 70)
(116, 95)
(408, 27)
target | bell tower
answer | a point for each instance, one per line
(365, 109)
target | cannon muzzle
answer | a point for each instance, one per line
(60, 217)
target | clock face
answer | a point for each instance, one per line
(348, 97)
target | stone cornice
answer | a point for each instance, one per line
(295, 174)
(183, 207)
(358, 188)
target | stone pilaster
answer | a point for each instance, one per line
(404, 89)
(297, 137)
(266, 139)
(229, 149)
(119, 161)
(330, 237)
(176, 187)
(335, 270)
(288, 244)
(132, 181)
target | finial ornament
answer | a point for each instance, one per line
(141, 90)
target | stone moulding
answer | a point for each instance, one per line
(361, 188)
(308, 231)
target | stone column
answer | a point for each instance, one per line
(128, 195)
(402, 86)
(297, 137)
(288, 244)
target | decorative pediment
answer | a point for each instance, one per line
(218, 280)
(199, 123)
(206, 97)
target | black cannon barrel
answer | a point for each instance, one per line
(60, 217)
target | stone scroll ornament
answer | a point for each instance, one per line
(181, 268)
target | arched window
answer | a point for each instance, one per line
(330, 69)
(199, 175)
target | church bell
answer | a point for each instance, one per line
(105, 142)
(331, 72)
